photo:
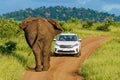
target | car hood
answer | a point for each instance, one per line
(67, 42)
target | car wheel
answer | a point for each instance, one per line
(55, 54)
(78, 54)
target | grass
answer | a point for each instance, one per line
(104, 63)
(10, 68)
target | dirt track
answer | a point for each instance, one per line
(66, 67)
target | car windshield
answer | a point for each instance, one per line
(67, 38)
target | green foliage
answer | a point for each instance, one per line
(87, 24)
(8, 28)
(116, 24)
(69, 25)
(103, 28)
(65, 26)
(62, 23)
(73, 20)
(8, 48)
(108, 21)
(106, 24)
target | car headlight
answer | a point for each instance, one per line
(57, 44)
(76, 44)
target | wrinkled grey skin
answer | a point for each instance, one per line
(39, 33)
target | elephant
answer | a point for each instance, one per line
(39, 33)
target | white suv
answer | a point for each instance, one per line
(67, 43)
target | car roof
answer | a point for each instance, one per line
(67, 34)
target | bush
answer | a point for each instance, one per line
(103, 28)
(87, 24)
(106, 24)
(8, 28)
(66, 27)
(8, 48)
(73, 20)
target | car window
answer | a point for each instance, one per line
(61, 38)
(67, 38)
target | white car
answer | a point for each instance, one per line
(67, 43)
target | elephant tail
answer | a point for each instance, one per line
(36, 37)
(29, 53)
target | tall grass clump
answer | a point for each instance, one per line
(104, 63)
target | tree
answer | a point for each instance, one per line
(8, 28)
(73, 20)
(106, 24)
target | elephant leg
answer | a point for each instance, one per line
(37, 54)
(46, 58)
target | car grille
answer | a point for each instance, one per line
(65, 51)
(66, 46)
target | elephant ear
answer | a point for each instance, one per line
(55, 24)
(24, 23)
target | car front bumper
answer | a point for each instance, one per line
(73, 50)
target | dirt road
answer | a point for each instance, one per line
(66, 67)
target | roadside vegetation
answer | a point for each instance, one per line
(104, 63)
(15, 58)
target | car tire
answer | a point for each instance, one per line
(78, 54)
(55, 54)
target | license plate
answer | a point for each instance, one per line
(65, 50)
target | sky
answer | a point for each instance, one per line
(110, 6)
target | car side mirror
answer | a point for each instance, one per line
(79, 40)
(54, 39)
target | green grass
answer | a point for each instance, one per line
(10, 68)
(104, 63)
